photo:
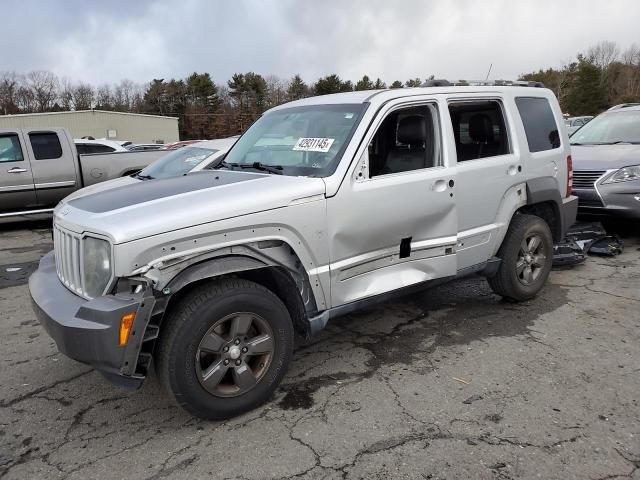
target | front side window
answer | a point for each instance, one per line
(178, 162)
(407, 139)
(45, 145)
(479, 129)
(539, 123)
(10, 150)
(306, 141)
(608, 128)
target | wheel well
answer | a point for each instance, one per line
(275, 279)
(550, 213)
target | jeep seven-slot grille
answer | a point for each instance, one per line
(585, 179)
(67, 247)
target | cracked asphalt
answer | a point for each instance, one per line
(446, 384)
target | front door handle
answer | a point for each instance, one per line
(440, 185)
(17, 170)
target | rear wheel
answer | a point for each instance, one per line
(527, 257)
(225, 348)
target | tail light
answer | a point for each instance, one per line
(569, 175)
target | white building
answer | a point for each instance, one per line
(135, 127)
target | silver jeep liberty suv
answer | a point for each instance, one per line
(323, 206)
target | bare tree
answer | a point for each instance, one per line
(66, 93)
(44, 86)
(104, 97)
(26, 99)
(276, 90)
(9, 84)
(603, 54)
(83, 96)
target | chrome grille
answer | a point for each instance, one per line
(585, 179)
(67, 246)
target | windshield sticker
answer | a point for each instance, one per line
(314, 144)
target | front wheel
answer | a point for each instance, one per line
(225, 348)
(527, 257)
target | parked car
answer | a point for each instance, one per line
(606, 159)
(39, 167)
(183, 143)
(85, 146)
(574, 123)
(192, 158)
(145, 146)
(325, 205)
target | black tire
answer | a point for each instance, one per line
(190, 323)
(508, 281)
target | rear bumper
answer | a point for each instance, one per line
(88, 330)
(568, 213)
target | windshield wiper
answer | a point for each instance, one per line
(261, 166)
(144, 177)
(228, 165)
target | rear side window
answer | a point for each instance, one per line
(10, 150)
(98, 148)
(45, 145)
(539, 123)
(479, 129)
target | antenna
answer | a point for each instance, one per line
(490, 67)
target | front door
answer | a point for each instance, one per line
(17, 192)
(393, 221)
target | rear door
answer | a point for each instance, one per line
(17, 192)
(488, 169)
(53, 164)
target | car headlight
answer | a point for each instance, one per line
(97, 269)
(625, 174)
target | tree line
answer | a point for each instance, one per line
(602, 76)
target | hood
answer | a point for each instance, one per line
(151, 207)
(604, 157)
(99, 187)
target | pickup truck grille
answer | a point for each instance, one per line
(585, 179)
(67, 247)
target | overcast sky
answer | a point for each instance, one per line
(109, 40)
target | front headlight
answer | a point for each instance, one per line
(625, 174)
(96, 254)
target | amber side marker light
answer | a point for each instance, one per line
(126, 322)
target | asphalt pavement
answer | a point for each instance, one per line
(449, 383)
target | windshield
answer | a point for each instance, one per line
(306, 141)
(179, 162)
(614, 127)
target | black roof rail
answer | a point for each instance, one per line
(482, 83)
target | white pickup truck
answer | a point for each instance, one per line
(39, 167)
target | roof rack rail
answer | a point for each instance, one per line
(624, 105)
(482, 83)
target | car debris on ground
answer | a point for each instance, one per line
(584, 239)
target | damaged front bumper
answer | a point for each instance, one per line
(89, 330)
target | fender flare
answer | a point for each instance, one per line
(546, 190)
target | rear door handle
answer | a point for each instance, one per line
(17, 170)
(514, 169)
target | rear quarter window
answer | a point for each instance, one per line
(45, 145)
(539, 123)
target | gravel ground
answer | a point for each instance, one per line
(450, 383)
